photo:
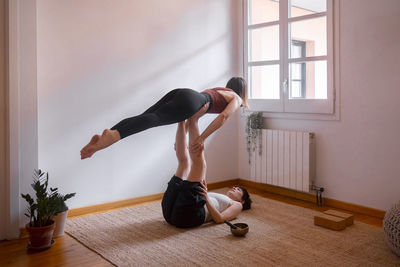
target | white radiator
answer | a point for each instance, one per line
(287, 159)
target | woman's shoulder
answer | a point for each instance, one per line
(227, 93)
(222, 89)
(219, 89)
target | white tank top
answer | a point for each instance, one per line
(219, 201)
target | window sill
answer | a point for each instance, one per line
(294, 116)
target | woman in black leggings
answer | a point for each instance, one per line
(176, 106)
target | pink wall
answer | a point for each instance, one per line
(358, 155)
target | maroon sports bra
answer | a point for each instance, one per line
(218, 101)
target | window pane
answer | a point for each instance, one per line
(296, 71)
(313, 84)
(312, 32)
(305, 7)
(264, 82)
(296, 90)
(264, 43)
(296, 51)
(263, 11)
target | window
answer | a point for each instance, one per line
(298, 71)
(289, 59)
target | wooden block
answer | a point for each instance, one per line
(348, 217)
(329, 221)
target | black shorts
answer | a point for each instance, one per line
(182, 205)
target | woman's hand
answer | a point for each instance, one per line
(203, 188)
(197, 146)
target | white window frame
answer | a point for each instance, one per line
(297, 108)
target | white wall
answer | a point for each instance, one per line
(358, 156)
(28, 122)
(101, 61)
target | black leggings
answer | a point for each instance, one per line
(177, 105)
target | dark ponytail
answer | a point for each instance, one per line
(239, 86)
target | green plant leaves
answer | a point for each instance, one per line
(254, 125)
(48, 202)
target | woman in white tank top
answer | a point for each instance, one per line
(186, 202)
(221, 207)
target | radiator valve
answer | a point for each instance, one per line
(318, 194)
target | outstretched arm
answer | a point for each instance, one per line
(233, 105)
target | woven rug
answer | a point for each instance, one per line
(280, 235)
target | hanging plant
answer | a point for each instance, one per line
(253, 133)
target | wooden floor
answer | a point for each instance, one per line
(69, 252)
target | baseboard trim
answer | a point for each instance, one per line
(222, 184)
(83, 211)
(380, 214)
(278, 190)
(23, 233)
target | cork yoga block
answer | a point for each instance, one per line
(329, 221)
(349, 218)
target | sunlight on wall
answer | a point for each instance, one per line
(113, 61)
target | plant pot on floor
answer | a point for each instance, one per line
(60, 220)
(41, 210)
(40, 237)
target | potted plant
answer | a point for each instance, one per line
(254, 125)
(62, 213)
(40, 212)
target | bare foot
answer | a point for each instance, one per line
(87, 151)
(98, 142)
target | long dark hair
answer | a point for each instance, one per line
(239, 86)
(246, 198)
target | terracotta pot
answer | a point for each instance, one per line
(40, 237)
(60, 220)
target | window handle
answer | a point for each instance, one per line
(285, 85)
